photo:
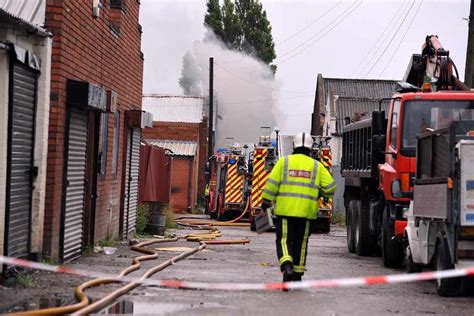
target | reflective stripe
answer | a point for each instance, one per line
(315, 172)
(269, 193)
(285, 259)
(284, 246)
(298, 195)
(304, 245)
(275, 183)
(298, 269)
(300, 184)
(285, 169)
(329, 186)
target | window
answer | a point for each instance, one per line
(421, 116)
(116, 142)
(394, 124)
(103, 146)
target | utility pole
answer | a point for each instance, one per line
(210, 146)
(469, 73)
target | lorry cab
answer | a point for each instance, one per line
(410, 115)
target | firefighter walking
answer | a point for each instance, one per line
(295, 185)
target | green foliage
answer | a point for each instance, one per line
(213, 17)
(170, 222)
(48, 260)
(143, 213)
(242, 25)
(339, 218)
(106, 242)
(24, 279)
(232, 28)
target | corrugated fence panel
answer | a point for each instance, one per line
(21, 160)
(75, 190)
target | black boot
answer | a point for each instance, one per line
(297, 276)
(287, 269)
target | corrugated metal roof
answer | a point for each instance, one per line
(178, 148)
(168, 108)
(355, 109)
(31, 12)
(359, 88)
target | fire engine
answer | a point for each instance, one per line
(261, 162)
(227, 186)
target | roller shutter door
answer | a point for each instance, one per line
(75, 184)
(132, 173)
(20, 160)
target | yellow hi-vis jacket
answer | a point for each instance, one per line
(295, 185)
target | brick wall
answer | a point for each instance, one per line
(196, 132)
(87, 49)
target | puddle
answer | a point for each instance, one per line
(151, 308)
(144, 308)
(121, 307)
(39, 303)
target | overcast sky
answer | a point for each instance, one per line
(370, 39)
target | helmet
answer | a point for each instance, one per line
(303, 140)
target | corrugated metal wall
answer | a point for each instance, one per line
(155, 175)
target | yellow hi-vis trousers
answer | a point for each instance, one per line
(292, 234)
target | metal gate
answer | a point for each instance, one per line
(131, 186)
(73, 214)
(20, 170)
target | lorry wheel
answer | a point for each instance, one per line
(392, 249)
(362, 240)
(411, 266)
(448, 287)
(349, 228)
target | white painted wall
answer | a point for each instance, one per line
(41, 47)
(4, 73)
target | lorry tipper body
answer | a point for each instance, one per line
(380, 153)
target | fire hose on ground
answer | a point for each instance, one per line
(84, 307)
(208, 224)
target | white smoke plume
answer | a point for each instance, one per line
(244, 91)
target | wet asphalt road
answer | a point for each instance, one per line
(256, 262)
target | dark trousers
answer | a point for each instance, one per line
(292, 234)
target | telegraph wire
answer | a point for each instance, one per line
(338, 20)
(305, 44)
(379, 49)
(391, 40)
(308, 25)
(259, 85)
(401, 41)
(387, 27)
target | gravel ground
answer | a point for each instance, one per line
(252, 263)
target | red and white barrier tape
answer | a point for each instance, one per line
(316, 284)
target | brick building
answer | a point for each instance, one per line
(95, 121)
(180, 124)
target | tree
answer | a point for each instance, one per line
(190, 76)
(232, 29)
(213, 17)
(242, 25)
